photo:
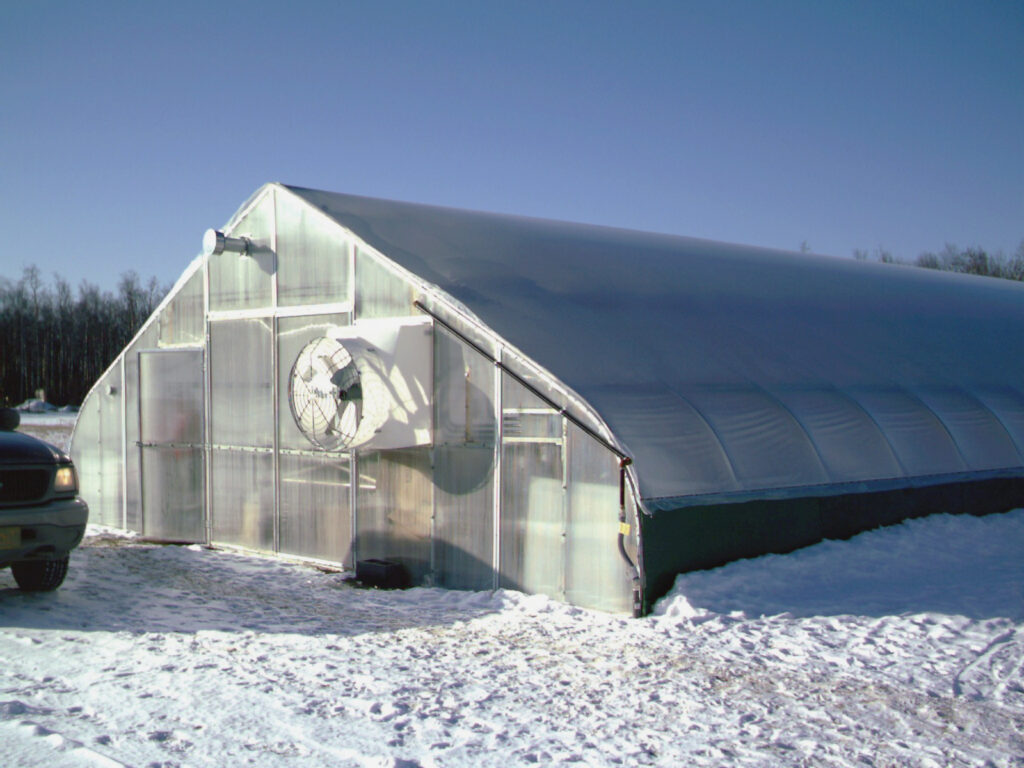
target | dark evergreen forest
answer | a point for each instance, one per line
(60, 340)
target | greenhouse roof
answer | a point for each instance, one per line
(727, 371)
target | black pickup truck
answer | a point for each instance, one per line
(42, 517)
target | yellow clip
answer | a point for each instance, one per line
(624, 529)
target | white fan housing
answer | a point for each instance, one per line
(368, 385)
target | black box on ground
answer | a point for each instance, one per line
(384, 574)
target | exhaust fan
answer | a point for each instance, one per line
(326, 395)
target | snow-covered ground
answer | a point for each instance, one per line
(902, 646)
(53, 427)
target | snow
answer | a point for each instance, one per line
(902, 646)
(58, 418)
(53, 426)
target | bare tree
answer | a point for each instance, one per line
(52, 340)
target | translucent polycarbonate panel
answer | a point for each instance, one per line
(532, 524)
(133, 457)
(543, 422)
(313, 262)
(316, 507)
(108, 508)
(171, 385)
(379, 292)
(293, 334)
(394, 506)
(463, 464)
(596, 576)
(532, 557)
(765, 444)
(243, 281)
(171, 388)
(86, 453)
(918, 438)
(242, 408)
(90, 453)
(183, 320)
(463, 393)
(847, 439)
(689, 454)
(525, 415)
(1008, 405)
(243, 498)
(979, 436)
(147, 339)
(464, 516)
(173, 495)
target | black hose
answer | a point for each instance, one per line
(623, 531)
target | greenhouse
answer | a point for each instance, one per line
(489, 401)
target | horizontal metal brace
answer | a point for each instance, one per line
(241, 449)
(175, 446)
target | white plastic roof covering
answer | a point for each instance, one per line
(732, 372)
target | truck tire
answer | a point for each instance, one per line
(40, 575)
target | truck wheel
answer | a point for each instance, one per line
(40, 575)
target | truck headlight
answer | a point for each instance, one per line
(65, 480)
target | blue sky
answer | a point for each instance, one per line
(128, 128)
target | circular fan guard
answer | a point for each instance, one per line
(325, 394)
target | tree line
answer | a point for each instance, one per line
(970, 261)
(59, 340)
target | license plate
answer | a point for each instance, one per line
(10, 538)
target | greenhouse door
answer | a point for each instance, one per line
(172, 435)
(533, 529)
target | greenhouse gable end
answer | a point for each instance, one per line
(579, 411)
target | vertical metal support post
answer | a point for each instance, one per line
(274, 362)
(124, 447)
(431, 579)
(207, 405)
(138, 448)
(433, 478)
(351, 248)
(274, 387)
(353, 463)
(563, 571)
(353, 491)
(499, 429)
